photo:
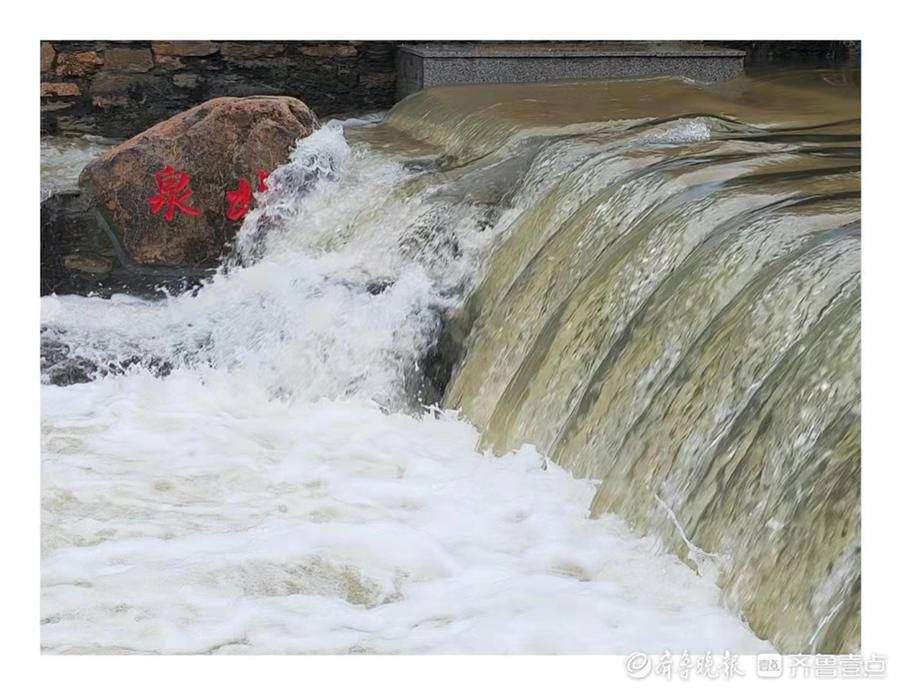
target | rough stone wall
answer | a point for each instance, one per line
(795, 53)
(119, 88)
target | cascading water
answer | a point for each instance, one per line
(666, 307)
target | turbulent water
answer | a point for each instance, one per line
(62, 159)
(650, 309)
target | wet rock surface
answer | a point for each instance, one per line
(62, 366)
(77, 256)
(162, 194)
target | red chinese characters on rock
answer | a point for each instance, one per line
(239, 200)
(173, 190)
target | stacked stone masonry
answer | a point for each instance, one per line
(118, 88)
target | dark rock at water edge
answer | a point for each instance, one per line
(77, 257)
(61, 367)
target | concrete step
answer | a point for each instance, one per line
(422, 65)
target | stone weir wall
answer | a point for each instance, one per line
(119, 88)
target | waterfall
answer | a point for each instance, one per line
(445, 339)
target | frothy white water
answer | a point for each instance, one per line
(63, 158)
(274, 494)
(190, 515)
(341, 292)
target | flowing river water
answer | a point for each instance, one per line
(563, 368)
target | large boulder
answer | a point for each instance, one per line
(175, 194)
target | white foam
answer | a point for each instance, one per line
(63, 158)
(195, 514)
(270, 495)
(679, 132)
